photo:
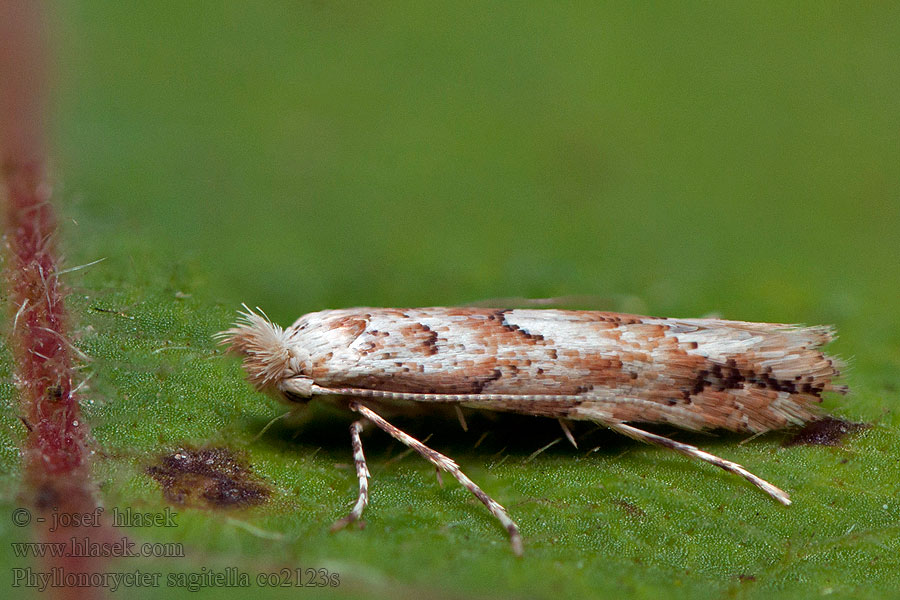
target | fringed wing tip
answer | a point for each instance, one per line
(815, 338)
(827, 334)
(261, 342)
(815, 335)
(841, 389)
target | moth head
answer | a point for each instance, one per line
(272, 364)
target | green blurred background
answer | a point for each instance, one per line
(741, 159)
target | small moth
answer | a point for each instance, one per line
(610, 368)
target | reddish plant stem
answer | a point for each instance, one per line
(55, 445)
(56, 440)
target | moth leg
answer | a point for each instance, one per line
(447, 464)
(694, 452)
(568, 433)
(461, 417)
(362, 472)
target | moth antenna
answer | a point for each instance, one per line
(262, 343)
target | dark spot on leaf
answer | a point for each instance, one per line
(824, 432)
(633, 510)
(745, 578)
(208, 478)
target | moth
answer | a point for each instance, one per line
(610, 368)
